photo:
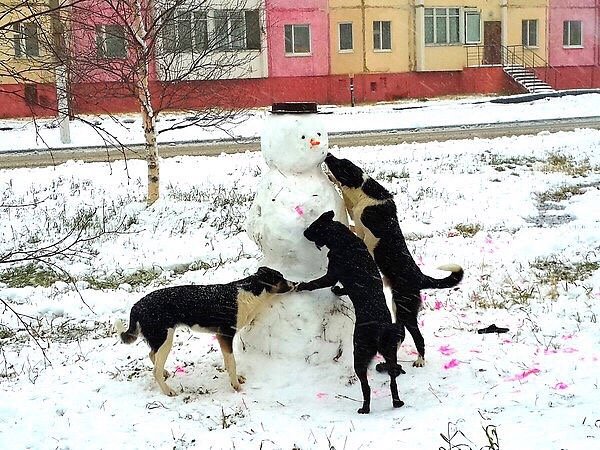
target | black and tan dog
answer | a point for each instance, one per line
(375, 217)
(222, 309)
(351, 264)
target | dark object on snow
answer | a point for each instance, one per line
(350, 264)
(492, 329)
(294, 108)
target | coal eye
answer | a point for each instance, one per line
(303, 137)
(318, 134)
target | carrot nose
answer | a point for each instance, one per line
(313, 142)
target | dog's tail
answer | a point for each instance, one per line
(127, 335)
(455, 277)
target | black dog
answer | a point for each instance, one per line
(351, 264)
(375, 217)
(222, 309)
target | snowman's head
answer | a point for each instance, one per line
(294, 143)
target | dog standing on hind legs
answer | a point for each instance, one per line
(375, 217)
(350, 263)
(222, 309)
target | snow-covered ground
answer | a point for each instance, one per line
(88, 131)
(520, 214)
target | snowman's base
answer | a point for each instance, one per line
(315, 326)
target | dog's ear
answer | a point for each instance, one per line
(328, 215)
(262, 270)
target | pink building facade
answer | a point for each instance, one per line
(574, 48)
(298, 38)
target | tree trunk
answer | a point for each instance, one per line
(145, 99)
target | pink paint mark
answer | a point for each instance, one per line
(321, 395)
(446, 350)
(560, 385)
(420, 260)
(379, 358)
(179, 369)
(550, 351)
(451, 364)
(299, 210)
(569, 350)
(525, 374)
(488, 239)
(475, 351)
(507, 341)
(413, 352)
(567, 336)
(438, 305)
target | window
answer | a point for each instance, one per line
(230, 29)
(442, 26)
(185, 31)
(529, 33)
(297, 39)
(382, 35)
(25, 39)
(345, 30)
(110, 41)
(572, 33)
(472, 27)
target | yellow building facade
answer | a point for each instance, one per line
(24, 33)
(383, 36)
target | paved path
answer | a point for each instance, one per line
(42, 158)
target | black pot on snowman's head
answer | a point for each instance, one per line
(294, 108)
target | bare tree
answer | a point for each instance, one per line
(162, 53)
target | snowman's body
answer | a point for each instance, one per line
(292, 194)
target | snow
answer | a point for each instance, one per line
(89, 131)
(531, 265)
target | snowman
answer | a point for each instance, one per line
(293, 192)
(312, 327)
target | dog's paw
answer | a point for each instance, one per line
(364, 410)
(168, 391)
(337, 290)
(381, 367)
(397, 403)
(420, 362)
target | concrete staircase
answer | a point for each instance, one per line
(526, 78)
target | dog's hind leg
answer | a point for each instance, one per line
(160, 357)
(388, 345)
(151, 356)
(225, 340)
(365, 349)
(412, 327)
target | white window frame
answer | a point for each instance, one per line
(20, 40)
(236, 25)
(445, 12)
(345, 50)
(378, 46)
(471, 13)
(525, 36)
(568, 30)
(295, 26)
(194, 18)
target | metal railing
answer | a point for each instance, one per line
(511, 55)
